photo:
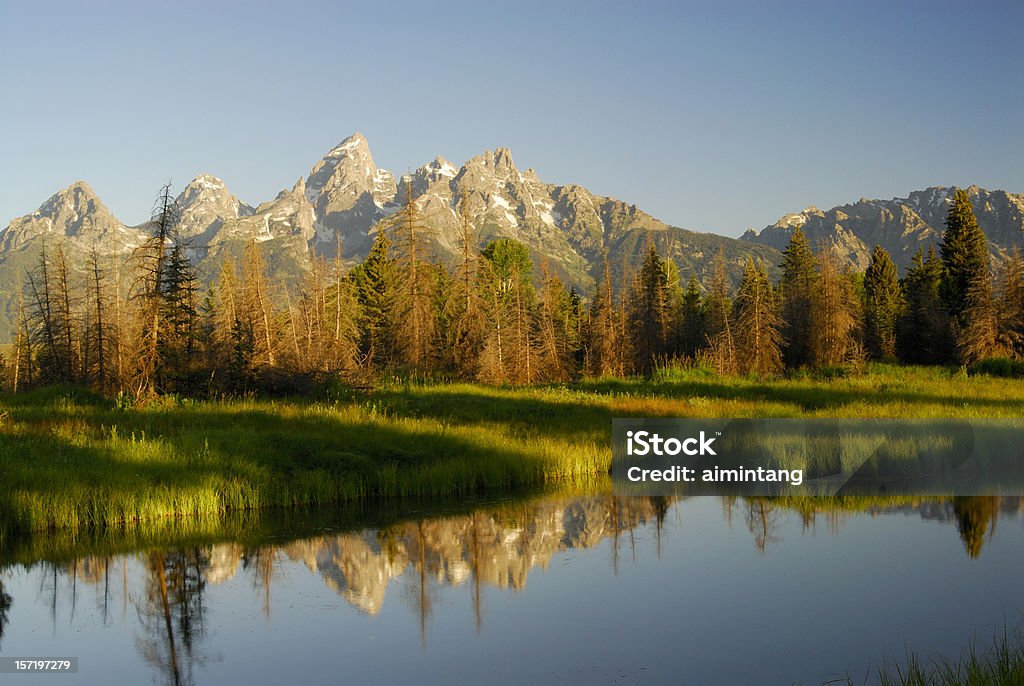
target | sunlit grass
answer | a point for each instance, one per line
(70, 459)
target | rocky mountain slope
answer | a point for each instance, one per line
(900, 225)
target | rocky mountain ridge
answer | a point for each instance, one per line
(346, 195)
(900, 225)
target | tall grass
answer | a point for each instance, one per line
(999, 663)
(71, 460)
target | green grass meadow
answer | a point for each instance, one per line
(70, 459)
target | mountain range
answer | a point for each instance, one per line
(900, 225)
(346, 195)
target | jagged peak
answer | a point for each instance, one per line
(81, 186)
(503, 157)
(207, 190)
(499, 158)
(202, 188)
(933, 195)
(206, 181)
(438, 167)
(77, 194)
(351, 145)
(76, 189)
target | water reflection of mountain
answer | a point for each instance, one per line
(496, 548)
(499, 547)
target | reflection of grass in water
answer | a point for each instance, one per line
(999, 664)
(71, 460)
(260, 527)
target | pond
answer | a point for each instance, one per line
(539, 590)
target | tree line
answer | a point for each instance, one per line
(146, 325)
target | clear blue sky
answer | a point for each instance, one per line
(712, 116)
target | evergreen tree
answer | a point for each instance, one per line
(798, 288)
(882, 307)
(759, 338)
(692, 336)
(443, 289)
(509, 352)
(343, 350)
(965, 258)
(180, 318)
(923, 334)
(208, 338)
(375, 283)
(649, 313)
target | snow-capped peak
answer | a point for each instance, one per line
(207, 181)
(352, 144)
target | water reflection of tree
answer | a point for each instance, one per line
(474, 556)
(420, 595)
(976, 517)
(172, 613)
(5, 605)
(762, 522)
(264, 561)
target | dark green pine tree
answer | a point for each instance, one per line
(964, 256)
(692, 316)
(798, 289)
(923, 332)
(375, 285)
(649, 313)
(180, 317)
(883, 300)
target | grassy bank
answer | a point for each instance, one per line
(69, 459)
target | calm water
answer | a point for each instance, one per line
(546, 591)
